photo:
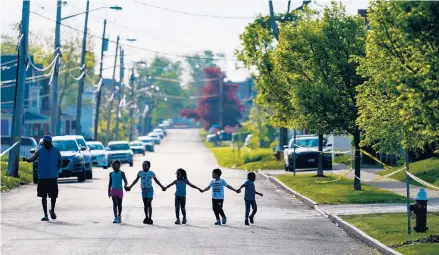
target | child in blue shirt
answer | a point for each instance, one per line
(250, 197)
(217, 186)
(180, 194)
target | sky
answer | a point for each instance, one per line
(155, 29)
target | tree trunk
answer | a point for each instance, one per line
(357, 160)
(320, 169)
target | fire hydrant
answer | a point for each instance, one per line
(420, 210)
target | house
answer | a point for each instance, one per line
(36, 124)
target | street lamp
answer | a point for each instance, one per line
(117, 8)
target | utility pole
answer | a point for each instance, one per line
(81, 81)
(119, 93)
(407, 181)
(17, 117)
(110, 107)
(98, 96)
(221, 102)
(132, 98)
(54, 120)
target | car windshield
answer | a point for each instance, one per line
(146, 140)
(119, 147)
(136, 144)
(312, 142)
(81, 142)
(96, 147)
(66, 145)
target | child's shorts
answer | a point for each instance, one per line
(117, 193)
(148, 193)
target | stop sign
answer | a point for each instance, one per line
(228, 129)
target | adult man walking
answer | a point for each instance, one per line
(48, 164)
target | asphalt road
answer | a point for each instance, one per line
(283, 224)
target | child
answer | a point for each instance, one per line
(146, 177)
(115, 190)
(217, 186)
(180, 194)
(249, 197)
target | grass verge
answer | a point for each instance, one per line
(340, 192)
(247, 159)
(391, 230)
(427, 169)
(7, 182)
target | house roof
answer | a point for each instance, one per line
(35, 118)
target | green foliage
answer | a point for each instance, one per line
(391, 229)
(24, 170)
(399, 103)
(263, 133)
(339, 192)
(343, 159)
(247, 159)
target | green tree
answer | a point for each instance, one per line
(258, 126)
(399, 103)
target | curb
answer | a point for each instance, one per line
(350, 229)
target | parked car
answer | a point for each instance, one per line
(163, 128)
(211, 138)
(137, 147)
(155, 136)
(86, 153)
(99, 155)
(306, 153)
(160, 132)
(73, 164)
(120, 150)
(148, 142)
(27, 143)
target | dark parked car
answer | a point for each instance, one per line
(307, 154)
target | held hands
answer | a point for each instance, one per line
(164, 188)
(201, 190)
(238, 191)
(24, 159)
(127, 188)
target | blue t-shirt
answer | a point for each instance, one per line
(180, 188)
(218, 188)
(250, 190)
(116, 180)
(48, 163)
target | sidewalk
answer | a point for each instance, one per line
(385, 184)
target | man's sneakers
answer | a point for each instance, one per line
(218, 222)
(45, 218)
(52, 214)
(177, 222)
(224, 220)
(252, 219)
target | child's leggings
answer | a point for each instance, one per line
(180, 202)
(251, 203)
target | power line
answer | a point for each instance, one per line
(193, 14)
(136, 47)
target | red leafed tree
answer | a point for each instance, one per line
(208, 105)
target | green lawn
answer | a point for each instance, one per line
(247, 159)
(340, 192)
(391, 229)
(25, 173)
(343, 159)
(427, 169)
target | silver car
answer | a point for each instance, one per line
(99, 155)
(86, 153)
(155, 136)
(120, 150)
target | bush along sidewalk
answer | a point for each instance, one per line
(25, 172)
(391, 230)
(246, 158)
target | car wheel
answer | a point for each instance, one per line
(105, 167)
(35, 178)
(143, 153)
(81, 176)
(285, 167)
(89, 174)
(131, 164)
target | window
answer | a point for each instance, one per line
(67, 145)
(119, 147)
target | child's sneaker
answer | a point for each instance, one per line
(145, 221)
(52, 214)
(45, 218)
(115, 220)
(218, 222)
(119, 219)
(177, 222)
(150, 222)
(184, 221)
(224, 220)
(251, 219)
(246, 222)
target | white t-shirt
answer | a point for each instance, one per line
(218, 188)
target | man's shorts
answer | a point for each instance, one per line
(47, 187)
